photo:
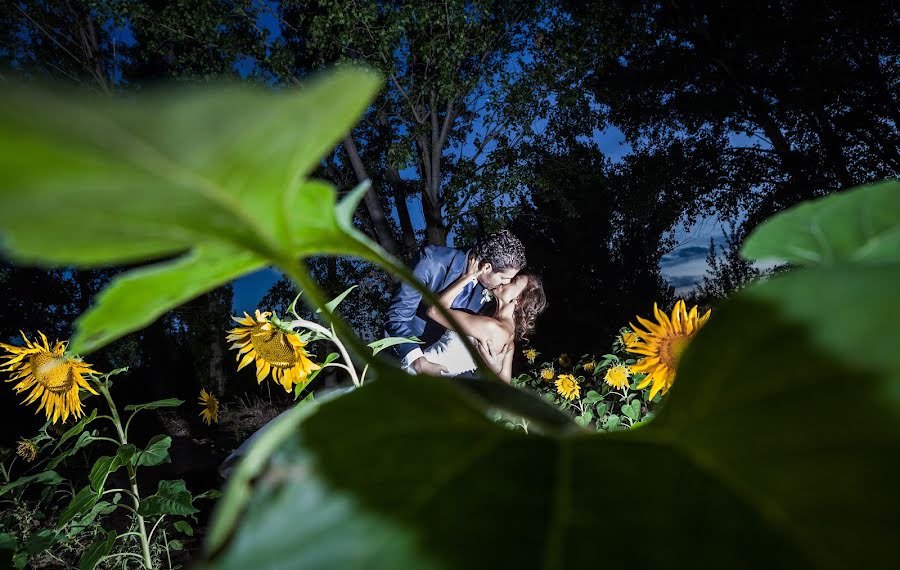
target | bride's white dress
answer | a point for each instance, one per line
(450, 352)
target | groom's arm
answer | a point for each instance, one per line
(403, 308)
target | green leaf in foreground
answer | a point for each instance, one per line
(158, 173)
(858, 225)
(136, 298)
(745, 467)
(209, 174)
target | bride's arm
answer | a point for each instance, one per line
(502, 366)
(485, 329)
(506, 370)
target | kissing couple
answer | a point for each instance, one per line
(493, 301)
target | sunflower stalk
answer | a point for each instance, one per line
(333, 337)
(103, 387)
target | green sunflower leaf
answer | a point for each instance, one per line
(857, 225)
(51, 478)
(98, 550)
(82, 502)
(136, 298)
(166, 403)
(153, 175)
(400, 472)
(106, 465)
(156, 452)
(171, 498)
(216, 176)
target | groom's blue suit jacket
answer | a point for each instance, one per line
(437, 267)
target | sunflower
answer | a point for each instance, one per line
(617, 376)
(49, 374)
(663, 343)
(27, 450)
(530, 355)
(547, 374)
(567, 387)
(628, 338)
(589, 366)
(210, 412)
(273, 349)
(564, 360)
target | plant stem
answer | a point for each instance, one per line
(329, 334)
(152, 530)
(132, 476)
(296, 270)
(116, 491)
(117, 442)
(166, 542)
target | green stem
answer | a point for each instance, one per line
(152, 530)
(126, 491)
(330, 335)
(132, 476)
(166, 542)
(117, 555)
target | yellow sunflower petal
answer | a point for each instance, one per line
(247, 360)
(262, 372)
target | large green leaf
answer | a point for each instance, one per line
(98, 180)
(216, 174)
(134, 299)
(778, 447)
(858, 225)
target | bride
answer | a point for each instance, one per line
(518, 305)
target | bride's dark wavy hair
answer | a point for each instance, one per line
(530, 303)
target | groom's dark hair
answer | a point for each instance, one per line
(502, 250)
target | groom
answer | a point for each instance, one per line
(437, 267)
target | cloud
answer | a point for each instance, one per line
(683, 254)
(680, 281)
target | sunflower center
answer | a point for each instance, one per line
(671, 351)
(273, 347)
(52, 373)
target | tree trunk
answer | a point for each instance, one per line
(214, 337)
(435, 232)
(406, 227)
(382, 228)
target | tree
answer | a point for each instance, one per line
(799, 99)
(455, 87)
